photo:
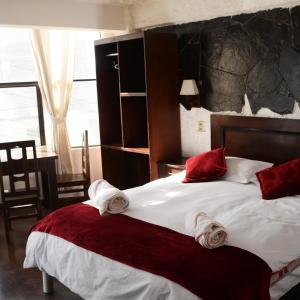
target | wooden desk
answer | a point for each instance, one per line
(46, 165)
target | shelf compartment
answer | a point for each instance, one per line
(131, 66)
(136, 169)
(134, 121)
(140, 150)
(124, 169)
(108, 92)
(112, 167)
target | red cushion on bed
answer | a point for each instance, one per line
(206, 166)
(280, 181)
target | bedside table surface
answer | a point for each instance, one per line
(176, 164)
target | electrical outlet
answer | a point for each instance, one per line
(201, 127)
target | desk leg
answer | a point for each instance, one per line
(45, 184)
(52, 185)
(48, 170)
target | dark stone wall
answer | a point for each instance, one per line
(257, 54)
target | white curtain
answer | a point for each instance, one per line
(54, 52)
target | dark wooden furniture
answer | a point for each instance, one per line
(20, 191)
(46, 165)
(266, 139)
(75, 183)
(138, 106)
(169, 168)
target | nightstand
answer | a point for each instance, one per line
(167, 168)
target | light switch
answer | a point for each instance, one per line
(201, 127)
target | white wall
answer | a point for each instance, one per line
(194, 142)
(62, 14)
(149, 13)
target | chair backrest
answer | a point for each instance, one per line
(17, 161)
(85, 155)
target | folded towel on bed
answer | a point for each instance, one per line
(107, 198)
(207, 232)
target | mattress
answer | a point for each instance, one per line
(265, 228)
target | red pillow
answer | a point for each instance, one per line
(206, 166)
(280, 181)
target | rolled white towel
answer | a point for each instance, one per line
(107, 198)
(207, 232)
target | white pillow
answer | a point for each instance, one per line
(243, 170)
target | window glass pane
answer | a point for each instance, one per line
(16, 59)
(19, 114)
(84, 65)
(83, 113)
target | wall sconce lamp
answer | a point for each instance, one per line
(189, 93)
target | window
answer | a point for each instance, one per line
(21, 112)
(83, 109)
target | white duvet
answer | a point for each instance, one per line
(269, 229)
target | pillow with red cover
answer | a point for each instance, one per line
(281, 180)
(206, 166)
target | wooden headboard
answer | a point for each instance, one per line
(267, 139)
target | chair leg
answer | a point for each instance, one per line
(86, 195)
(8, 219)
(6, 224)
(39, 210)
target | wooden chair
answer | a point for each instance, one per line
(75, 183)
(16, 168)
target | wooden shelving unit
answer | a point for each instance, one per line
(128, 149)
(133, 94)
(138, 105)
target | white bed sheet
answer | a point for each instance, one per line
(267, 228)
(95, 277)
(252, 223)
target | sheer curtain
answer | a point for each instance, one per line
(54, 52)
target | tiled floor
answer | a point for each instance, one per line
(17, 283)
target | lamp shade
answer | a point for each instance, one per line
(189, 88)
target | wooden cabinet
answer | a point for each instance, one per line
(138, 106)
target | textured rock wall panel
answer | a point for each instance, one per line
(257, 54)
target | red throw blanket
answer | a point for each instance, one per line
(219, 274)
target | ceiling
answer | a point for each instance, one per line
(112, 2)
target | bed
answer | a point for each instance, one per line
(164, 202)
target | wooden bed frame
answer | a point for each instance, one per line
(266, 139)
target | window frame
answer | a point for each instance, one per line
(38, 100)
(84, 80)
(89, 79)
